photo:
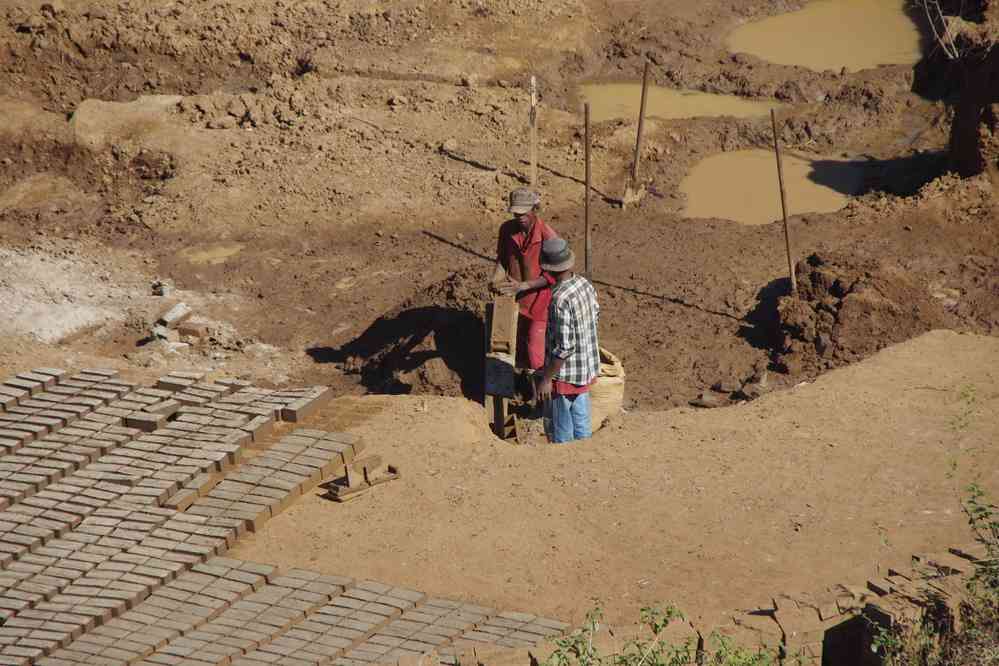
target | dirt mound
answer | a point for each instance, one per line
(848, 308)
(431, 343)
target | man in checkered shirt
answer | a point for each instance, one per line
(572, 355)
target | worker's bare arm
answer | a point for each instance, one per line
(499, 278)
(512, 288)
(548, 373)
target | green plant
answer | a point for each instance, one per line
(968, 399)
(725, 653)
(934, 641)
(579, 647)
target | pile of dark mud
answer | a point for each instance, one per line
(849, 308)
(432, 343)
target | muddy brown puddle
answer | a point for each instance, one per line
(833, 34)
(609, 101)
(742, 186)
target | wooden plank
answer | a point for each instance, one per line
(503, 336)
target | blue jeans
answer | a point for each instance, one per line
(567, 417)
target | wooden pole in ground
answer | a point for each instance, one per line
(588, 253)
(783, 205)
(641, 126)
(534, 131)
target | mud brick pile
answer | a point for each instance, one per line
(192, 599)
(834, 626)
(231, 612)
(119, 502)
(267, 484)
(254, 620)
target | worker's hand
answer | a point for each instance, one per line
(544, 391)
(511, 288)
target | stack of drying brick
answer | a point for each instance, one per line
(231, 612)
(254, 620)
(192, 599)
(807, 628)
(291, 405)
(269, 482)
(43, 400)
(38, 576)
(82, 494)
(101, 563)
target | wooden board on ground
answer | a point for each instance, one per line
(342, 493)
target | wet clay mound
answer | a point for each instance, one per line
(431, 343)
(849, 308)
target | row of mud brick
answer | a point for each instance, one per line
(34, 404)
(110, 560)
(231, 612)
(90, 495)
(52, 426)
(131, 583)
(835, 626)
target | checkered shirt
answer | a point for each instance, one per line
(572, 331)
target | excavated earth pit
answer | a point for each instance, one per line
(324, 182)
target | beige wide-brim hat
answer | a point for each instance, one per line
(523, 201)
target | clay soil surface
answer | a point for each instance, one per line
(322, 183)
(716, 511)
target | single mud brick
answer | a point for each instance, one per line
(879, 586)
(64, 391)
(145, 421)
(19, 436)
(63, 418)
(175, 315)
(42, 420)
(105, 419)
(235, 384)
(7, 402)
(127, 405)
(103, 373)
(30, 386)
(181, 500)
(47, 396)
(55, 373)
(44, 380)
(299, 410)
(116, 412)
(173, 384)
(166, 408)
(188, 398)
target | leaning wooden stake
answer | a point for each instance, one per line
(641, 125)
(633, 193)
(783, 205)
(534, 131)
(586, 200)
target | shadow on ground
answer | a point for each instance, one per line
(761, 327)
(902, 176)
(440, 349)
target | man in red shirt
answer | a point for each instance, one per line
(518, 272)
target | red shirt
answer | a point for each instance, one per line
(517, 249)
(565, 388)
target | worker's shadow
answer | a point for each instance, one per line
(395, 352)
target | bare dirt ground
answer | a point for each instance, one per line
(322, 181)
(715, 510)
